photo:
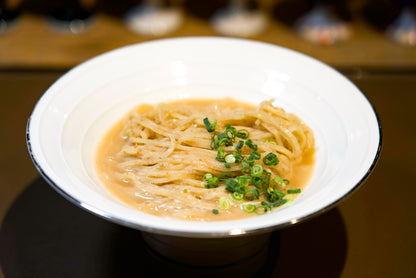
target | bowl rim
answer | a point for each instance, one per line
(196, 234)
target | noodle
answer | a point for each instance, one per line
(157, 157)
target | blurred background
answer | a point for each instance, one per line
(344, 33)
(371, 42)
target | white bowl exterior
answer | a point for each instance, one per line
(76, 111)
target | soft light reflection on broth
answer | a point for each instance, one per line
(157, 157)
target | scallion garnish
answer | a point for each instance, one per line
(293, 191)
(256, 170)
(220, 152)
(279, 203)
(243, 180)
(274, 195)
(229, 158)
(255, 154)
(254, 180)
(250, 195)
(237, 196)
(210, 181)
(225, 176)
(247, 207)
(261, 209)
(240, 145)
(279, 181)
(224, 203)
(250, 144)
(243, 134)
(210, 126)
(257, 181)
(271, 159)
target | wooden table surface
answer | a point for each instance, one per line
(32, 43)
(379, 218)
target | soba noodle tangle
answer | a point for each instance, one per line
(167, 151)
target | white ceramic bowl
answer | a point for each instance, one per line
(76, 111)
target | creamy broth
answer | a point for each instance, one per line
(108, 160)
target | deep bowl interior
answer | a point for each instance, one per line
(77, 110)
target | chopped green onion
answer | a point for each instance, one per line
(279, 181)
(225, 176)
(267, 178)
(251, 194)
(247, 207)
(274, 195)
(231, 185)
(220, 159)
(237, 196)
(293, 191)
(271, 159)
(261, 209)
(220, 152)
(185, 190)
(239, 185)
(243, 134)
(250, 144)
(253, 157)
(243, 180)
(246, 167)
(230, 132)
(211, 182)
(257, 181)
(238, 157)
(240, 144)
(210, 127)
(250, 160)
(207, 176)
(214, 144)
(225, 141)
(279, 203)
(224, 203)
(270, 142)
(256, 170)
(256, 155)
(229, 158)
(222, 136)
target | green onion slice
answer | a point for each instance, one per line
(247, 207)
(220, 152)
(243, 134)
(293, 191)
(279, 203)
(224, 203)
(271, 159)
(210, 126)
(229, 158)
(239, 145)
(243, 180)
(237, 196)
(225, 176)
(262, 209)
(281, 182)
(251, 194)
(257, 181)
(250, 144)
(256, 170)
